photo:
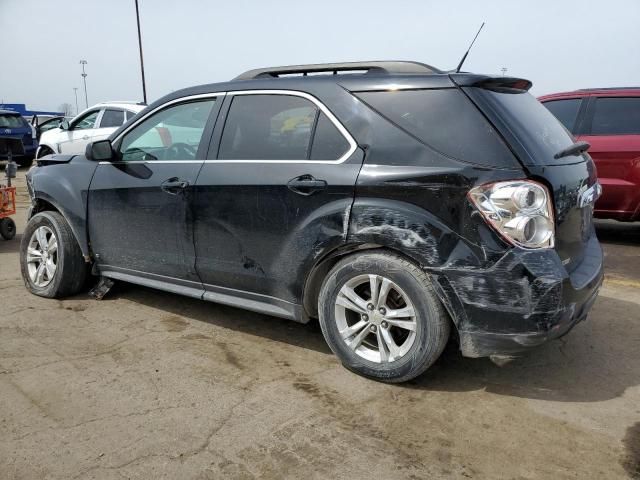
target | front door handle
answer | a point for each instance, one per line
(174, 185)
(306, 185)
(86, 137)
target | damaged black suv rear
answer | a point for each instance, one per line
(399, 204)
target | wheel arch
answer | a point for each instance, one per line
(40, 204)
(409, 232)
(318, 273)
(42, 146)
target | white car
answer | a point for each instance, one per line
(95, 123)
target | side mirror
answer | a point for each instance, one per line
(64, 124)
(100, 151)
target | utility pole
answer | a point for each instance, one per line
(75, 91)
(84, 79)
(144, 86)
(504, 70)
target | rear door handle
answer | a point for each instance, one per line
(306, 185)
(174, 185)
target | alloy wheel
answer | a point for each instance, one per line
(42, 256)
(375, 318)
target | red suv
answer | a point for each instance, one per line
(608, 119)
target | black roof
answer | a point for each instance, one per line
(356, 76)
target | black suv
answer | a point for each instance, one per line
(399, 204)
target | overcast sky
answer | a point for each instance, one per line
(559, 45)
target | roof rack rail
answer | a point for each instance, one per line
(376, 67)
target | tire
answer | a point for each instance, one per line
(68, 276)
(7, 228)
(415, 346)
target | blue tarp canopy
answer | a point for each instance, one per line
(21, 108)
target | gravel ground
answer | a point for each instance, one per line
(146, 384)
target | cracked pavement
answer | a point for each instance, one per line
(146, 384)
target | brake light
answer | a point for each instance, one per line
(519, 210)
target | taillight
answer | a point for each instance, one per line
(519, 210)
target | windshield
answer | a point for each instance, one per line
(11, 121)
(534, 126)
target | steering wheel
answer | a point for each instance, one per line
(181, 150)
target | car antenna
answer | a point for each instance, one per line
(464, 57)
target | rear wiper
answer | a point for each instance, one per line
(575, 149)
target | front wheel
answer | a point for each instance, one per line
(380, 316)
(51, 261)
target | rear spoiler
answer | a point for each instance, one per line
(495, 83)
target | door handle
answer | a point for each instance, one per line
(86, 137)
(174, 185)
(306, 185)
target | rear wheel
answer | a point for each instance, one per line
(51, 261)
(380, 316)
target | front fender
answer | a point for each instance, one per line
(65, 187)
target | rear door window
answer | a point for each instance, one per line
(328, 142)
(112, 118)
(616, 116)
(566, 111)
(268, 127)
(445, 120)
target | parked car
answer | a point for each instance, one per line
(95, 123)
(13, 126)
(399, 204)
(609, 120)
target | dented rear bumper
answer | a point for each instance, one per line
(525, 299)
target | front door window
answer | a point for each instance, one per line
(171, 134)
(86, 122)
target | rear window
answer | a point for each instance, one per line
(566, 111)
(12, 121)
(445, 120)
(535, 128)
(616, 116)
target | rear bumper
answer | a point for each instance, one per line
(525, 300)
